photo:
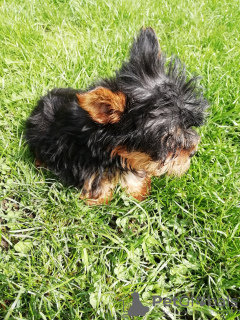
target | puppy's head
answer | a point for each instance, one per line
(149, 110)
(164, 106)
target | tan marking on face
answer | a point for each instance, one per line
(103, 105)
(140, 161)
(180, 164)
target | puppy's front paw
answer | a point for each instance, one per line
(101, 194)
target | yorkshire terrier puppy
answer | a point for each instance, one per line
(124, 129)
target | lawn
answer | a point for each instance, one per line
(59, 258)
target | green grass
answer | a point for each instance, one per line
(60, 259)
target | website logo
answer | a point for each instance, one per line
(136, 309)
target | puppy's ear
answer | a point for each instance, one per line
(146, 50)
(103, 105)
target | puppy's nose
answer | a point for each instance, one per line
(192, 153)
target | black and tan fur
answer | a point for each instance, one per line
(125, 129)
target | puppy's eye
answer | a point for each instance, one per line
(192, 154)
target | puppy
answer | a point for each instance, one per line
(124, 129)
